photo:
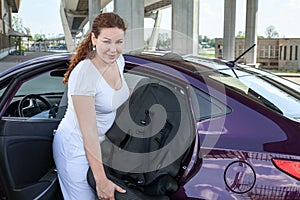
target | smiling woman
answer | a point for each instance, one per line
(96, 88)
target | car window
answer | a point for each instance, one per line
(3, 85)
(2, 90)
(41, 84)
(206, 106)
(133, 79)
(37, 97)
(175, 91)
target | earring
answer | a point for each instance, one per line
(94, 48)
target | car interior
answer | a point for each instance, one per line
(33, 114)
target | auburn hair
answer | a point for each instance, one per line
(85, 48)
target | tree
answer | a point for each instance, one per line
(199, 39)
(240, 34)
(212, 42)
(17, 25)
(271, 32)
(27, 31)
(38, 37)
(164, 41)
(205, 41)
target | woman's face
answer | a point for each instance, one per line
(109, 44)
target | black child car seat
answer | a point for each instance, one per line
(147, 146)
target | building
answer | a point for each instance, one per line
(7, 34)
(273, 53)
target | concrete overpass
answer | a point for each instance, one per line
(77, 11)
(185, 22)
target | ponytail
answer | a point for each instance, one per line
(83, 51)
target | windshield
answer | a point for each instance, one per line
(276, 93)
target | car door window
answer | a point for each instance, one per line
(37, 97)
(2, 90)
(42, 84)
(4, 85)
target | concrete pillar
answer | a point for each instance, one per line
(251, 31)
(94, 10)
(155, 31)
(298, 56)
(68, 36)
(185, 26)
(132, 11)
(229, 29)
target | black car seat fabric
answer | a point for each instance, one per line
(131, 193)
(145, 148)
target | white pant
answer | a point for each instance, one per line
(72, 166)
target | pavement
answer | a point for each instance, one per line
(12, 60)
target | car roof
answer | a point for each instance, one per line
(194, 64)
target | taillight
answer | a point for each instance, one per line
(290, 167)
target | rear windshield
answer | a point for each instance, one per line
(274, 92)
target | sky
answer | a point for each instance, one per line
(43, 17)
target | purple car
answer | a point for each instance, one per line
(221, 132)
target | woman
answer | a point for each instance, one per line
(96, 88)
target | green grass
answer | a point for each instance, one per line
(211, 55)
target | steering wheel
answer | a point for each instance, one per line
(32, 106)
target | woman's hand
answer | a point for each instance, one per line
(106, 190)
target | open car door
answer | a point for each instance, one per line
(28, 121)
(28, 168)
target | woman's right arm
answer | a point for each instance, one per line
(85, 111)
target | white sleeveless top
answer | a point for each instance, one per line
(86, 80)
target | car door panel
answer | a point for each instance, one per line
(32, 175)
